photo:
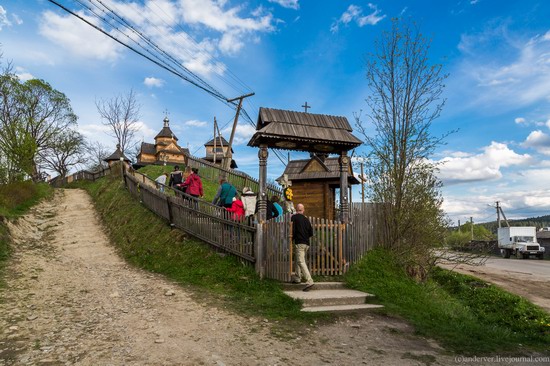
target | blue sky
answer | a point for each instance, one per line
(497, 55)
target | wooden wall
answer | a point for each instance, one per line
(317, 197)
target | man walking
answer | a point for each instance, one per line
(301, 232)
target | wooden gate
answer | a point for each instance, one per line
(333, 248)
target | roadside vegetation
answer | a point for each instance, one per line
(147, 241)
(464, 314)
(15, 200)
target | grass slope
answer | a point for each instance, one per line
(15, 200)
(147, 241)
(465, 314)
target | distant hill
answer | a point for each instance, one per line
(538, 222)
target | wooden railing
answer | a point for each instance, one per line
(83, 174)
(239, 180)
(195, 216)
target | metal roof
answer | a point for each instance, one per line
(303, 131)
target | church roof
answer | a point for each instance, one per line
(147, 148)
(166, 131)
(330, 170)
(302, 131)
(219, 141)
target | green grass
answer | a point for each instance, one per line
(147, 241)
(465, 314)
(15, 200)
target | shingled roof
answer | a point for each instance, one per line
(147, 148)
(166, 131)
(218, 140)
(295, 170)
(291, 130)
(116, 155)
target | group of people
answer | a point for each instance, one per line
(188, 182)
(246, 205)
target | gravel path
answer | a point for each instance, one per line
(71, 300)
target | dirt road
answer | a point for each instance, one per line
(72, 301)
(529, 278)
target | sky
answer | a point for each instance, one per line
(496, 54)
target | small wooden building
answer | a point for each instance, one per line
(165, 150)
(115, 157)
(318, 134)
(314, 183)
(216, 152)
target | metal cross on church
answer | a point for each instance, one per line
(306, 107)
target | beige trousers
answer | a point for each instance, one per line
(301, 269)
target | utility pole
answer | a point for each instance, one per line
(459, 226)
(498, 215)
(215, 151)
(472, 226)
(227, 158)
(499, 211)
(362, 185)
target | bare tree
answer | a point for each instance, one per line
(405, 99)
(66, 151)
(96, 152)
(121, 114)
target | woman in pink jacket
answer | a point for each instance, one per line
(193, 184)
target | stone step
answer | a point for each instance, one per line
(341, 308)
(318, 286)
(329, 297)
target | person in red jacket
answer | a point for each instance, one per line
(237, 208)
(193, 184)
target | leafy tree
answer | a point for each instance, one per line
(121, 114)
(32, 116)
(65, 151)
(405, 98)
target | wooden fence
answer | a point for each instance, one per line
(199, 218)
(83, 174)
(333, 248)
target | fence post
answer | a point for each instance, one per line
(262, 209)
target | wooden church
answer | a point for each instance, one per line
(165, 150)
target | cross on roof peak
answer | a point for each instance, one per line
(305, 106)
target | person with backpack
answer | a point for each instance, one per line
(224, 195)
(176, 177)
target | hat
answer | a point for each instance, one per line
(247, 190)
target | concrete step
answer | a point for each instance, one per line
(329, 297)
(341, 308)
(318, 286)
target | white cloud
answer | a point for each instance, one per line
(70, 33)
(195, 123)
(520, 120)
(517, 77)
(539, 141)
(153, 82)
(4, 21)
(480, 167)
(23, 74)
(243, 133)
(216, 27)
(548, 123)
(291, 4)
(355, 13)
